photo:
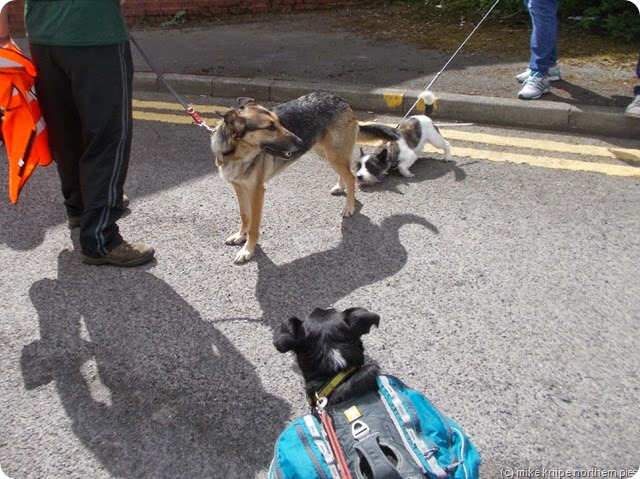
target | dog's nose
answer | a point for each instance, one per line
(359, 177)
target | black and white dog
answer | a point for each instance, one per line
(382, 431)
(328, 342)
(411, 137)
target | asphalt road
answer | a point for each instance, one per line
(509, 294)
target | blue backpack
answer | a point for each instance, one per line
(392, 433)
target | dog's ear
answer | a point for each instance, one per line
(360, 320)
(290, 336)
(236, 124)
(244, 101)
(383, 155)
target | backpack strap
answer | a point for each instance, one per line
(375, 457)
(405, 424)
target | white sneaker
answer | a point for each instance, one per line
(633, 110)
(552, 75)
(534, 87)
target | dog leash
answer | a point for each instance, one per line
(327, 425)
(426, 91)
(189, 109)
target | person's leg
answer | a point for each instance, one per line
(53, 88)
(102, 79)
(544, 21)
(633, 109)
(636, 89)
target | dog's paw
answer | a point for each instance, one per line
(447, 158)
(348, 211)
(236, 239)
(406, 173)
(337, 190)
(243, 255)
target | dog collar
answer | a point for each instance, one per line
(328, 388)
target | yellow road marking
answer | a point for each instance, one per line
(161, 105)
(545, 145)
(393, 100)
(169, 118)
(624, 154)
(547, 162)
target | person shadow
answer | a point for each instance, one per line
(367, 253)
(23, 226)
(150, 388)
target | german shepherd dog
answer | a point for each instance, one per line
(252, 144)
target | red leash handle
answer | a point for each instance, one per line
(335, 445)
(198, 119)
(194, 114)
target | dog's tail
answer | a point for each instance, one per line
(429, 101)
(376, 131)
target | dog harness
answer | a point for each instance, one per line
(391, 433)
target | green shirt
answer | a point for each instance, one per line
(75, 22)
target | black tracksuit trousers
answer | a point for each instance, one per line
(85, 98)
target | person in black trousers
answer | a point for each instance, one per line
(84, 85)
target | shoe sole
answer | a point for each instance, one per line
(531, 97)
(102, 261)
(549, 78)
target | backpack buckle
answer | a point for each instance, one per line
(359, 430)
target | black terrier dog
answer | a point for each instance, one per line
(378, 427)
(327, 343)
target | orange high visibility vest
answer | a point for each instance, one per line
(23, 128)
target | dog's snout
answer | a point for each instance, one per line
(297, 141)
(293, 145)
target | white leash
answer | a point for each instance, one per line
(426, 90)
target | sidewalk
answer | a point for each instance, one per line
(279, 57)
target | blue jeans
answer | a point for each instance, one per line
(636, 89)
(544, 21)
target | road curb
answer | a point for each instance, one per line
(539, 114)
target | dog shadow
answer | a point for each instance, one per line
(150, 388)
(367, 253)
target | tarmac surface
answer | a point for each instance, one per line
(507, 292)
(277, 57)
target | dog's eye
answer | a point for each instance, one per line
(272, 127)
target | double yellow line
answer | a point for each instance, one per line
(612, 161)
